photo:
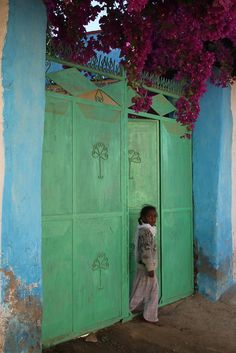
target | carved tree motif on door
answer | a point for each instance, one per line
(134, 157)
(100, 152)
(99, 264)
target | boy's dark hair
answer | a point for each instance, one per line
(144, 211)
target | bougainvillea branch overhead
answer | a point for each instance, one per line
(190, 40)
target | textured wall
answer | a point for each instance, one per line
(233, 213)
(3, 30)
(23, 67)
(212, 144)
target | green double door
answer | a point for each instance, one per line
(160, 174)
(84, 212)
(84, 218)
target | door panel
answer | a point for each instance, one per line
(99, 227)
(57, 280)
(143, 146)
(176, 167)
(97, 272)
(143, 163)
(176, 213)
(57, 158)
(57, 233)
(97, 159)
(177, 255)
(84, 227)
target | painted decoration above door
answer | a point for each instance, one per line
(78, 85)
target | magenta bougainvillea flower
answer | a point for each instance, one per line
(190, 40)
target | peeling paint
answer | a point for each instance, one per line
(233, 212)
(20, 317)
(22, 103)
(4, 9)
(4, 320)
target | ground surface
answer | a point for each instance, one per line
(193, 325)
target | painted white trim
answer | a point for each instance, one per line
(233, 211)
(4, 11)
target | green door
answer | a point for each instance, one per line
(176, 213)
(144, 173)
(160, 173)
(57, 212)
(99, 207)
(84, 219)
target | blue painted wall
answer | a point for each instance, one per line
(24, 52)
(212, 192)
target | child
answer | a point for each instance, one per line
(144, 295)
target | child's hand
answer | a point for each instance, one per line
(151, 274)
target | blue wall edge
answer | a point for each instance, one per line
(212, 143)
(23, 71)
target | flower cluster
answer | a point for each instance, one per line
(189, 40)
(66, 27)
(142, 101)
(136, 5)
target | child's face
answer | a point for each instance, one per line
(150, 218)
